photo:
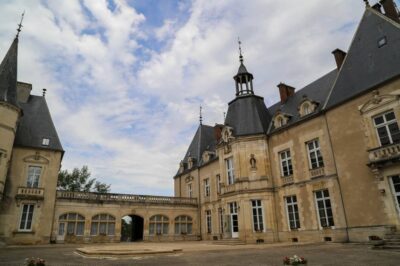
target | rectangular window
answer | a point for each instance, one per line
(26, 217)
(286, 163)
(190, 191)
(218, 184)
(324, 208)
(314, 154)
(387, 128)
(33, 176)
(208, 221)
(207, 187)
(258, 223)
(292, 211)
(230, 171)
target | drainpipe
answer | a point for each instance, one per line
(199, 202)
(338, 180)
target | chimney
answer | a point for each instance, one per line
(339, 57)
(285, 91)
(377, 7)
(218, 131)
(390, 9)
(23, 91)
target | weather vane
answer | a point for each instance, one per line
(201, 116)
(240, 50)
(20, 24)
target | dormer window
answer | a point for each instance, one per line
(45, 142)
(307, 107)
(280, 120)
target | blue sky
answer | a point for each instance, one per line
(125, 78)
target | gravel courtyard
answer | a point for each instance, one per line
(206, 253)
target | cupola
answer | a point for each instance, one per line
(243, 79)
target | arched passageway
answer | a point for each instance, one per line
(132, 228)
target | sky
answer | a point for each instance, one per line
(125, 78)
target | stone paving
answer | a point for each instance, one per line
(204, 253)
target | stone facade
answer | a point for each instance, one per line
(320, 165)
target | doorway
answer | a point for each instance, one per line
(132, 228)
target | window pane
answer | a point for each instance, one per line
(71, 228)
(389, 116)
(111, 229)
(103, 227)
(80, 228)
(177, 229)
(378, 120)
(165, 229)
(93, 229)
(151, 229)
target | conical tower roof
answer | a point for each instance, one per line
(8, 75)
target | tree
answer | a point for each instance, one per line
(79, 180)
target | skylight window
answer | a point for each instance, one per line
(382, 41)
(45, 142)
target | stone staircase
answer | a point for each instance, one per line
(392, 240)
(229, 241)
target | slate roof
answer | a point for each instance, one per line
(248, 115)
(366, 65)
(316, 91)
(8, 75)
(36, 124)
(203, 140)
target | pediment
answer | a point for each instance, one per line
(36, 158)
(377, 101)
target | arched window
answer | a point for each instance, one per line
(306, 109)
(102, 224)
(183, 225)
(158, 225)
(75, 223)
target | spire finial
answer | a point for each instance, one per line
(240, 50)
(20, 24)
(224, 116)
(44, 92)
(366, 3)
(201, 116)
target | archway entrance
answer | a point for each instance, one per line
(132, 228)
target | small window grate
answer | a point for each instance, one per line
(382, 42)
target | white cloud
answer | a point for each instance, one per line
(127, 117)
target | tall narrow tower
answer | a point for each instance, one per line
(9, 109)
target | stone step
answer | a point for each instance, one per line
(232, 242)
(397, 241)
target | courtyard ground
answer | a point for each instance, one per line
(204, 253)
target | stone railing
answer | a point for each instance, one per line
(30, 193)
(317, 172)
(113, 197)
(286, 180)
(384, 153)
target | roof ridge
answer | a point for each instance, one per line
(376, 12)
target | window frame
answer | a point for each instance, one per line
(287, 161)
(207, 188)
(190, 190)
(183, 221)
(77, 220)
(385, 125)
(208, 222)
(230, 171)
(218, 184)
(33, 179)
(294, 205)
(110, 219)
(315, 150)
(259, 221)
(163, 222)
(324, 199)
(31, 209)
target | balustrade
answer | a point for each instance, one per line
(112, 197)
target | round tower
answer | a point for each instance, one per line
(9, 110)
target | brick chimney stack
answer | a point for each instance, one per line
(285, 91)
(339, 57)
(390, 9)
